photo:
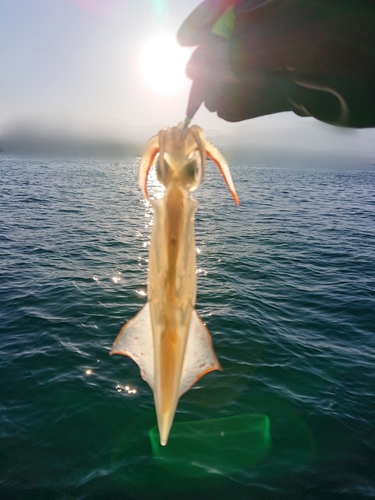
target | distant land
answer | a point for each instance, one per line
(282, 139)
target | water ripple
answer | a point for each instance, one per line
(286, 286)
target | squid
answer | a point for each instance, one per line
(167, 339)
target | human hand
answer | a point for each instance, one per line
(316, 59)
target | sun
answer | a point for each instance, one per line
(162, 64)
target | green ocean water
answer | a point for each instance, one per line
(286, 286)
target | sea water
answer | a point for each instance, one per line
(286, 286)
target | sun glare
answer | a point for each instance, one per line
(162, 64)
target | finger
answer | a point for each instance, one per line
(198, 67)
(210, 62)
(241, 101)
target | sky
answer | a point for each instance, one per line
(76, 64)
(79, 60)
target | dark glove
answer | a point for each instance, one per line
(313, 57)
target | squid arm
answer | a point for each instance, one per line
(206, 148)
(215, 155)
(148, 159)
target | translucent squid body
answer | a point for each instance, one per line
(167, 339)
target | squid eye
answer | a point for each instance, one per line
(162, 172)
(191, 170)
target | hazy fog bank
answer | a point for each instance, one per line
(44, 141)
(281, 139)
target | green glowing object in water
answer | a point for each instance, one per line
(222, 446)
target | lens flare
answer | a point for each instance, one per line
(162, 64)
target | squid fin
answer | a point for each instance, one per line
(215, 155)
(135, 340)
(148, 158)
(200, 357)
